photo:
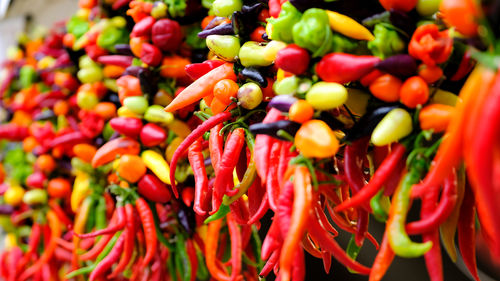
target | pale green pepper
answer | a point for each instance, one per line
(279, 29)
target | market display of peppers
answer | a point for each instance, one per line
(147, 140)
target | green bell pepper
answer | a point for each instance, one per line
(386, 43)
(280, 27)
(313, 32)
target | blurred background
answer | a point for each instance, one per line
(18, 16)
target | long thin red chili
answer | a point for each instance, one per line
(196, 160)
(148, 225)
(263, 145)
(272, 181)
(433, 219)
(215, 145)
(224, 179)
(120, 224)
(328, 243)
(195, 134)
(382, 261)
(129, 242)
(380, 176)
(109, 260)
(236, 250)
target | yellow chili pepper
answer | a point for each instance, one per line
(81, 189)
(157, 164)
(348, 27)
(180, 128)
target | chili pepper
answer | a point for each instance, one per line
(34, 241)
(430, 45)
(68, 139)
(118, 60)
(348, 26)
(236, 247)
(215, 143)
(149, 229)
(272, 184)
(181, 251)
(261, 211)
(382, 261)
(157, 164)
(467, 232)
(167, 35)
(263, 144)
(302, 189)
(13, 132)
(119, 224)
(80, 190)
(193, 259)
(143, 27)
(109, 260)
(55, 224)
(272, 129)
(328, 243)
(273, 240)
(381, 175)
(481, 161)
(128, 126)
(197, 70)
(150, 54)
(197, 133)
(152, 135)
(242, 188)
(435, 117)
(153, 189)
(111, 149)
(448, 153)
(433, 260)
(79, 225)
(223, 180)
(448, 228)
(201, 87)
(196, 161)
(63, 218)
(343, 68)
(98, 248)
(441, 212)
(398, 238)
(129, 238)
(211, 251)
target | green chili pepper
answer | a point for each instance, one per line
(380, 205)
(313, 32)
(202, 271)
(386, 43)
(352, 250)
(257, 246)
(91, 219)
(222, 212)
(27, 76)
(185, 269)
(100, 214)
(399, 240)
(289, 16)
(77, 26)
(111, 36)
(171, 266)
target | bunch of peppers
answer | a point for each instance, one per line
(140, 143)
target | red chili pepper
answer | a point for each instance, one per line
(464, 68)
(328, 243)
(152, 135)
(211, 251)
(193, 260)
(167, 35)
(55, 226)
(293, 59)
(113, 148)
(467, 232)
(353, 157)
(263, 144)
(149, 229)
(118, 60)
(302, 201)
(343, 68)
(119, 4)
(34, 241)
(128, 126)
(381, 175)
(196, 160)
(143, 27)
(431, 220)
(215, 144)
(97, 249)
(236, 247)
(13, 132)
(120, 224)
(152, 188)
(224, 178)
(94, 51)
(239, 209)
(109, 260)
(150, 54)
(56, 208)
(92, 124)
(284, 208)
(70, 138)
(433, 259)
(430, 45)
(196, 70)
(272, 182)
(273, 240)
(129, 236)
(261, 211)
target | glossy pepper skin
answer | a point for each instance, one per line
(111, 149)
(152, 135)
(167, 35)
(313, 32)
(293, 59)
(152, 188)
(128, 126)
(342, 68)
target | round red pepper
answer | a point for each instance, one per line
(152, 135)
(128, 126)
(293, 59)
(150, 54)
(167, 35)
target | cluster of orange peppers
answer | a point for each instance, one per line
(147, 140)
